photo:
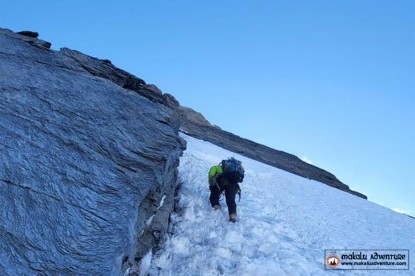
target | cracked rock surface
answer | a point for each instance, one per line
(87, 155)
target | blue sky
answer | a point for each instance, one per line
(329, 81)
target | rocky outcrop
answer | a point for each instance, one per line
(261, 153)
(191, 115)
(29, 34)
(31, 38)
(88, 162)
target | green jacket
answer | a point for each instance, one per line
(213, 172)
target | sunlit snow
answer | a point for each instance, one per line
(285, 222)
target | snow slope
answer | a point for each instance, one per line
(285, 222)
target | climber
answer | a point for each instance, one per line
(225, 178)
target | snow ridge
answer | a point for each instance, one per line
(285, 222)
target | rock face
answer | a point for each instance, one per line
(88, 162)
(261, 153)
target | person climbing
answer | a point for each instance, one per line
(225, 178)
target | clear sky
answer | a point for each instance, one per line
(332, 82)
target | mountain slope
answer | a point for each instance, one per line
(285, 222)
(276, 158)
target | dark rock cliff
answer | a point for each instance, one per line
(88, 162)
(201, 129)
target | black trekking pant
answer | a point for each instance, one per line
(230, 193)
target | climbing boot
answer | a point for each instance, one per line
(232, 217)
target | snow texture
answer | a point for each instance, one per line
(285, 222)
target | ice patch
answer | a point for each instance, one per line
(163, 261)
(224, 252)
(181, 245)
(149, 220)
(145, 264)
(233, 237)
(161, 202)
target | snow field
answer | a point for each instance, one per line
(285, 222)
